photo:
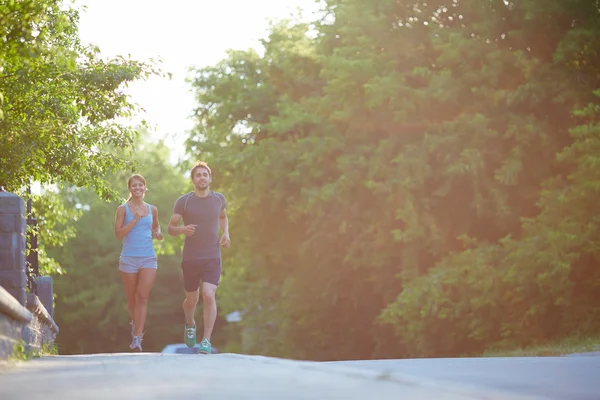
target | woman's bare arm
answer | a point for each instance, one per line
(120, 230)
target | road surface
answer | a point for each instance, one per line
(230, 376)
(555, 378)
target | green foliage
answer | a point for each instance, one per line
(404, 179)
(62, 109)
(20, 353)
(62, 104)
(430, 312)
(578, 343)
(56, 224)
(384, 170)
(49, 349)
(539, 287)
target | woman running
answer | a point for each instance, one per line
(136, 223)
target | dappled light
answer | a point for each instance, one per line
(396, 182)
(403, 178)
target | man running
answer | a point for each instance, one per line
(203, 212)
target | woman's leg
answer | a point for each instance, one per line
(145, 281)
(130, 282)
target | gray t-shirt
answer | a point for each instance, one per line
(203, 212)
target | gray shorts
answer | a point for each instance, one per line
(132, 265)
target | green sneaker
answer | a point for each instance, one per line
(204, 346)
(189, 336)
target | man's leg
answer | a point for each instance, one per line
(189, 306)
(191, 273)
(210, 280)
(191, 284)
(210, 308)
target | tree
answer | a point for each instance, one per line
(61, 111)
(541, 286)
(21, 23)
(394, 150)
(62, 104)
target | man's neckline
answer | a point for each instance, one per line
(210, 192)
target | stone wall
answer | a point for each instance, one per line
(13, 245)
(23, 317)
(13, 318)
(41, 329)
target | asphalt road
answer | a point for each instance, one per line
(574, 377)
(230, 376)
(216, 377)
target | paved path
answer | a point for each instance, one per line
(557, 378)
(218, 377)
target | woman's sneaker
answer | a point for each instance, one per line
(204, 346)
(189, 335)
(136, 344)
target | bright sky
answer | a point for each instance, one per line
(182, 33)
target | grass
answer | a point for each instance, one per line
(568, 345)
(20, 354)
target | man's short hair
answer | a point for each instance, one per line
(200, 164)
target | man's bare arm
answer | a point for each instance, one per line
(225, 241)
(224, 221)
(175, 229)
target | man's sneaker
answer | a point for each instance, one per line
(204, 346)
(136, 344)
(189, 335)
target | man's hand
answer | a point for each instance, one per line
(225, 241)
(189, 230)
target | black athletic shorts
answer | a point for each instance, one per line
(205, 270)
